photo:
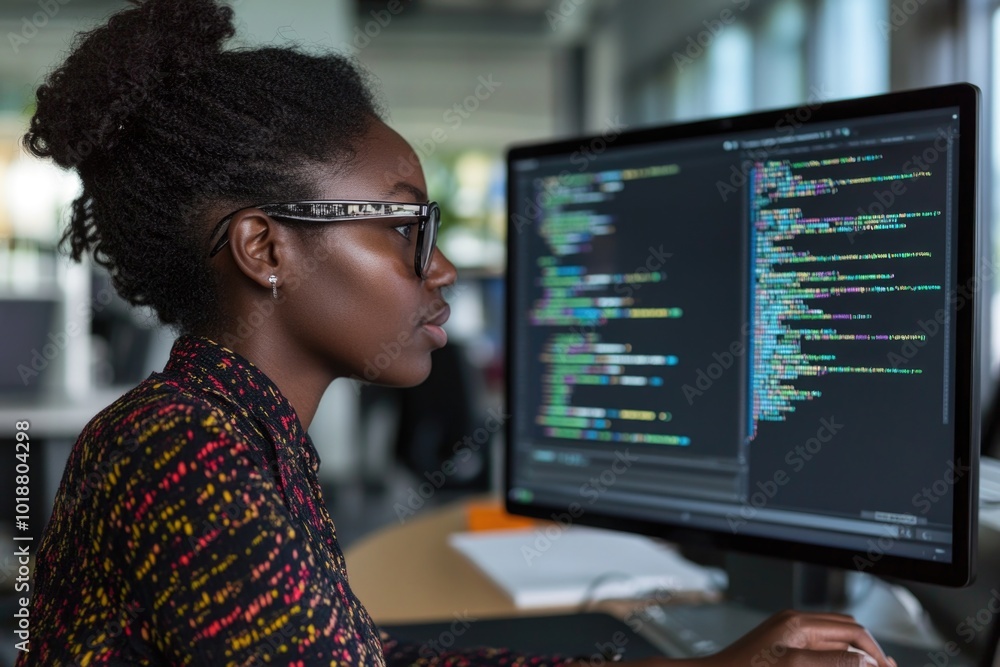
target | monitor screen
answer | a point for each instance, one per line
(755, 333)
(31, 344)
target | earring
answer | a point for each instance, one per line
(273, 279)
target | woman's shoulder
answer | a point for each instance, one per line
(155, 414)
(154, 437)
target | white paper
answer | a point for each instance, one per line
(554, 566)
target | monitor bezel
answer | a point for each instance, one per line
(961, 570)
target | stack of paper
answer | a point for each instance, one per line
(557, 567)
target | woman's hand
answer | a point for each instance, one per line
(795, 638)
(792, 638)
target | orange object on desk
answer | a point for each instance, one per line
(491, 515)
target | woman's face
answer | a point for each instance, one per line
(359, 308)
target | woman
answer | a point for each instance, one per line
(189, 527)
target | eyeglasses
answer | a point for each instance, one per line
(428, 216)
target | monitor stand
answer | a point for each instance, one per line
(760, 586)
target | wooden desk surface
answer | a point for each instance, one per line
(409, 573)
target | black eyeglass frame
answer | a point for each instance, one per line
(343, 210)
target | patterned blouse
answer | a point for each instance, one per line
(190, 529)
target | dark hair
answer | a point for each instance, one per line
(163, 125)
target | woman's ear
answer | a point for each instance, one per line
(260, 246)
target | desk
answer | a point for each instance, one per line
(408, 573)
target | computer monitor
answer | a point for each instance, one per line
(31, 344)
(756, 333)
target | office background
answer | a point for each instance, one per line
(462, 80)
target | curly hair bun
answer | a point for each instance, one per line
(116, 69)
(166, 128)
